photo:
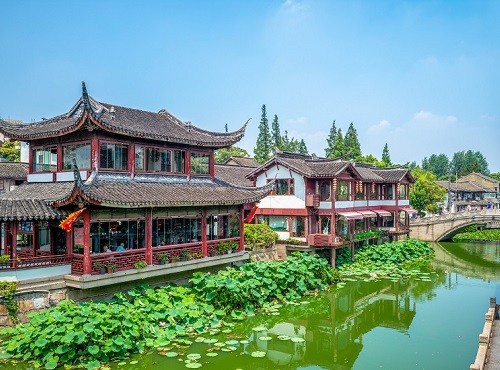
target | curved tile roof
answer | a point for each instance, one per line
(13, 170)
(28, 209)
(161, 126)
(162, 191)
(233, 174)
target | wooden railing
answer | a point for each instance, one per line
(32, 262)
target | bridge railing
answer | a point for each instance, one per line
(457, 215)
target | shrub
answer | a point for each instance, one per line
(259, 234)
(140, 264)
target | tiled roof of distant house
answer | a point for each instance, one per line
(161, 126)
(233, 174)
(13, 170)
(242, 161)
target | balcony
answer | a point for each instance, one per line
(324, 240)
(312, 200)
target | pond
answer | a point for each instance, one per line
(429, 322)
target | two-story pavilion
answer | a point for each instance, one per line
(145, 181)
(328, 201)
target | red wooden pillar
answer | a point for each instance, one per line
(149, 236)
(14, 226)
(69, 245)
(204, 245)
(87, 260)
(242, 229)
(396, 219)
(187, 163)
(35, 245)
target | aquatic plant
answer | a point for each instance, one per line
(480, 235)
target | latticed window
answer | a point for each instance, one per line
(200, 164)
(45, 159)
(284, 187)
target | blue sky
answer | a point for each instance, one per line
(422, 76)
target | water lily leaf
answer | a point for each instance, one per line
(93, 350)
(265, 338)
(194, 356)
(90, 365)
(210, 340)
(232, 342)
(220, 344)
(259, 328)
(171, 354)
(121, 363)
(258, 354)
(298, 340)
(212, 354)
(193, 365)
(199, 340)
(244, 341)
(284, 337)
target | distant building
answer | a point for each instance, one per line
(474, 191)
(12, 174)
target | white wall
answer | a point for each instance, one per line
(280, 172)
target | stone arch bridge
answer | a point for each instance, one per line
(436, 228)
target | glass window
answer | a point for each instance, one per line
(139, 158)
(78, 152)
(284, 187)
(128, 233)
(179, 158)
(343, 190)
(403, 192)
(113, 156)
(325, 191)
(200, 164)
(45, 159)
(390, 192)
(169, 231)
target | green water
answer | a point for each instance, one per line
(427, 323)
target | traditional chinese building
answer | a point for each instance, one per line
(330, 203)
(145, 182)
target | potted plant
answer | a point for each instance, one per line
(163, 258)
(110, 268)
(99, 266)
(5, 260)
(184, 255)
(140, 264)
(227, 247)
(78, 248)
(174, 258)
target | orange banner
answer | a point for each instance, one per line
(68, 222)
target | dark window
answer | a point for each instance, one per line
(113, 156)
(325, 191)
(284, 187)
(343, 190)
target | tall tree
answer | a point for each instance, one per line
(386, 157)
(262, 150)
(302, 149)
(369, 158)
(351, 143)
(495, 175)
(339, 149)
(425, 193)
(438, 164)
(223, 154)
(276, 141)
(331, 140)
(466, 162)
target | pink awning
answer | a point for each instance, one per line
(409, 210)
(367, 214)
(382, 212)
(350, 215)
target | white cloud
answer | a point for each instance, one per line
(299, 121)
(425, 116)
(382, 125)
(292, 6)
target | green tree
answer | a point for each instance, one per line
(369, 158)
(495, 175)
(11, 151)
(438, 164)
(339, 150)
(466, 162)
(276, 140)
(351, 143)
(302, 149)
(331, 140)
(262, 150)
(425, 194)
(223, 154)
(386, 157)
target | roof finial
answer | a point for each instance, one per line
(85, 96)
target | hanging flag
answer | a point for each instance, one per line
(251, 215)
(68, 222)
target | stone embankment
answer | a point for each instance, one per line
(488, 353)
